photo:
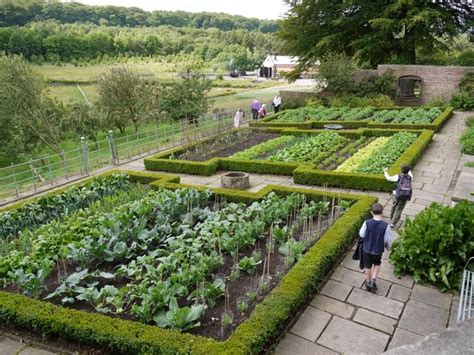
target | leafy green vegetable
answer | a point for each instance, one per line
(50, 207)
(387, 154)
(436, 244)
(180, 318)
(249, 265)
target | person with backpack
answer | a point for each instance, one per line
(402, 193)
(376, 236)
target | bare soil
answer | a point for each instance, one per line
(208, 151)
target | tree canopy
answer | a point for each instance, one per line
(373, 31)
(21, 12)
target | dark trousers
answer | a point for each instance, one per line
(397, 208)
(276, 108)
(255, 114)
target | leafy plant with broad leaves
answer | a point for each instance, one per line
(179, 318)
(293, 250)
(249, 265)
(436, 244)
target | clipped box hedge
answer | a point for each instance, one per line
(272, 121)
(255, 335)
(302, 173)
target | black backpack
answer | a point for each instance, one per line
(404, 190)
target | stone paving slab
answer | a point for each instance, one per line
(348, 277)
(348, 337)
(431, 296)
(336, 290)
(403, 337)
(310, 324)
(399, 293)
(423, 319)
(376, 303)
(332, 306)
(375, 320)
(10, 346)
(293, 345)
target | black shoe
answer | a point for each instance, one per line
(374, 286)
(368, 286)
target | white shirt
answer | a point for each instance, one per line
(277, 101)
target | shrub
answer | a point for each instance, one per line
(467, 139)
(462, 101)
(337, 71)
(435, 246)
(466, 58)
(357, 101)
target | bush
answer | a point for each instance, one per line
(466, 58)
(435, 246)
(462, 101)
(337, 71)
(467, 139)
(292, 103)
(357, 101)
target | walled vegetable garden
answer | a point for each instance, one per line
(156, 266)
(312, 157)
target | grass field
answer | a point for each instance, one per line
(69, 72)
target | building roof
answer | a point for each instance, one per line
(278, 60)
(282, 61)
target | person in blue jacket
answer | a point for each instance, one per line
(376, 236)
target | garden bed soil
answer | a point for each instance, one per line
(240, 145)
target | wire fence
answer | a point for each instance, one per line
(40, 174)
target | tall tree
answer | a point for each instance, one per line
(122, 95)
(27, 114)
(374, 31)
(186, 99)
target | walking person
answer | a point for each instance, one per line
(376, 236)
(276, 103)
(401, 194)
(239, 118)
(262, 112)
(255, 107)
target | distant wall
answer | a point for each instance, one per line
(438, 81)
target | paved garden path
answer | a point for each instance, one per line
(342, 317)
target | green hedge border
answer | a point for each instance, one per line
(302, 173)
(312, 124)
(265, 323)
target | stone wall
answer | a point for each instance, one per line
(438, 81)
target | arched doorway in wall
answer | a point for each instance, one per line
(409, 90)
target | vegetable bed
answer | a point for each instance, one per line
(184, 258)
(407, 115)
(356, 158)
(431, 118)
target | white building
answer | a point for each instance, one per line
(275, 65)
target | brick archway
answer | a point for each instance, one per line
(409, 90)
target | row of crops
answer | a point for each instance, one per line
(379, 154)
(173, 258)
(331, 150)
(423, 115)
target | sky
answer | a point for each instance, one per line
(265, 9)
